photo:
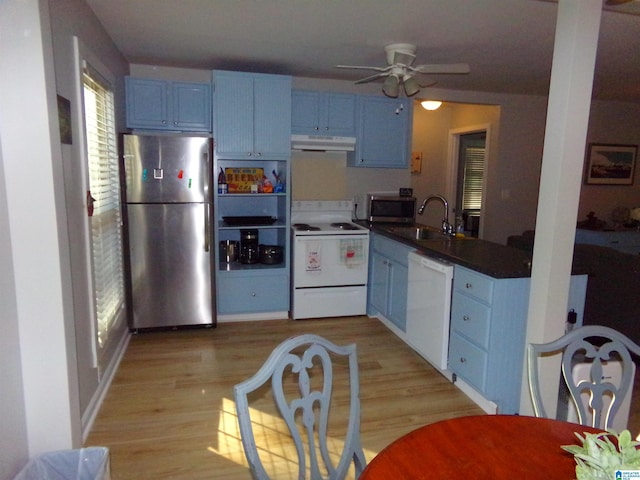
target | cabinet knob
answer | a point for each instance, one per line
(468, 285)
(317, 128)
(250, 154)
(175, 122)
(259, 154)
(164, 122)
(253, 294)
(326, 128)
(466, 318)
(463, 360)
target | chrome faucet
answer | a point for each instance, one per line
(447, 228)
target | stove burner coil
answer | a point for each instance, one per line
(304, 227)
(344, 226)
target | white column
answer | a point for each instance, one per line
(572, 73)
(31, 159)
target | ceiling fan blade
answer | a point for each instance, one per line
(362, 67)
(445, 68)
(371, 78)
(430, 83)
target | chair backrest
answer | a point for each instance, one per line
(594, 346)
(308, 359)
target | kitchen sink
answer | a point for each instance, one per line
(418, 232)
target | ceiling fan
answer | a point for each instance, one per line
(400, 70)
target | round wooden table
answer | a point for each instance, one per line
(494, 447)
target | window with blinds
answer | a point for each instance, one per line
(473, 178)
(104, 186)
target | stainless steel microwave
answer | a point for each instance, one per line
(391, 209)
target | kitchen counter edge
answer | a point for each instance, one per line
(488, 258)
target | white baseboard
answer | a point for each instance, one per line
(104, 383)
(252, 317)
(487, 405)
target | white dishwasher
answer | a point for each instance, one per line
(429, 308)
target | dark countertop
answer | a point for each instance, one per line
(493, 259)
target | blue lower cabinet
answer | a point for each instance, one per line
(488, 332)
(252, 294)
(388, 280)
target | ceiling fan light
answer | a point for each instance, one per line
(431, 104)
(411, 86)
(391, 86)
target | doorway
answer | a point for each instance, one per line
(468, 179)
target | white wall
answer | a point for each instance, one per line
(40, 403)
(617, 123)
(37, 229)
(71, 18)
(13, 437)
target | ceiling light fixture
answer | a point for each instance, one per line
(390, 86)
(431, 104)
(411, 86)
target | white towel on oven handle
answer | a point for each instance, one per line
(352, 252)
(313, 256)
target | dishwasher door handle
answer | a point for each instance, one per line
(426, 262)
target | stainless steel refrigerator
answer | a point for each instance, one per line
(168, 207)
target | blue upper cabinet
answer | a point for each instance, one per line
(164, 105)
(323, 113)
(252, 115)
(384, 132)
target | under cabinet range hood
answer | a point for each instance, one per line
(323, 143)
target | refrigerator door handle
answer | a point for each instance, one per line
(207, 229)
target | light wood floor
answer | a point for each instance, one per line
(169, 412)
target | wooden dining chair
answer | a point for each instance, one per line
(594, 346)
(300, 373)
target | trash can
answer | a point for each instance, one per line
(90, 463)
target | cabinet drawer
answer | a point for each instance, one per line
(241, 294)
(474, 284)
(468, 361)
(471, 319)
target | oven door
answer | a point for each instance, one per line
(330, 260)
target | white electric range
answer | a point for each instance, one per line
(330, 260)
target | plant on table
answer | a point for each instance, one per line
(602, 454)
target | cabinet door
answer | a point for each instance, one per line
(243, 294)
(398, 286)
(305, 112)
(234, 115)
(191, 106)
(384, 133)
(272, 116)
(318, 113)
(340, 114)
(379, 283)
(147, 103)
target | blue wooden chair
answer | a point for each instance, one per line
(304, 402)
(594, 346)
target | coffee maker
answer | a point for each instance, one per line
(249, 250)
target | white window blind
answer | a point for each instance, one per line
(106, 224)
(473, 178)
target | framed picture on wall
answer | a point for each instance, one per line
(611, 164)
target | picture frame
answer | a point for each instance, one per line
(611, 164)
(64, 119)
